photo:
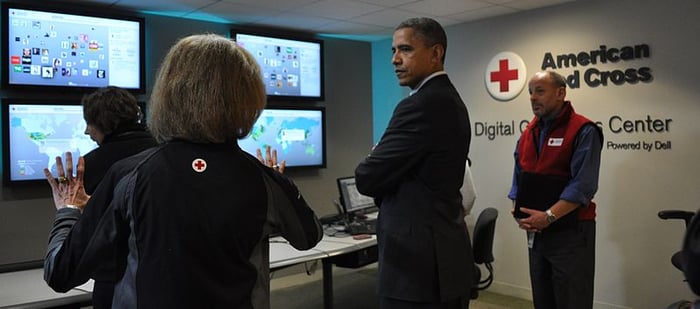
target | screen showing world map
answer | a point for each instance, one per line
(296, 134)
(37, 133)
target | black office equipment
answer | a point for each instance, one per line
(361, 226)
(355, 205)
(353, 202)
(537, 191)
(355, 259)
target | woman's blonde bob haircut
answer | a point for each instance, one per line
(208, 90)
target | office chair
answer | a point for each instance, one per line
(688, 258)
(482, 243)
(676, 258)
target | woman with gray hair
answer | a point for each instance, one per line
(188, 221)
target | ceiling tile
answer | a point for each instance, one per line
(295, 21)
(344, 27)
(386, 18)
(239, 13)
(338, 9)
(500, 1)
(482, 13)
(387, 3)
(276, 5)
(361, 18)
(532, 4)
(165, 6)
(443, 7)
(446, 21)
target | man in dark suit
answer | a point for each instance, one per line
(415, 173)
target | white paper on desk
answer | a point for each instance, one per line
(87, 286)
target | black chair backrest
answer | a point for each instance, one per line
(691, 255)
(686, 216)
(484, 231)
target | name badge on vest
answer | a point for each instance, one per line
(555, 141)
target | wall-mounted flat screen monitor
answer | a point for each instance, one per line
(298, 135)
(292, 66)
(35, 132)
(65, 48)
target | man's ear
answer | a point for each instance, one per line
(438, 52)
(562, 93)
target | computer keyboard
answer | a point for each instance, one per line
(362, 227)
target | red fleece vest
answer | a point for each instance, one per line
(555, 157)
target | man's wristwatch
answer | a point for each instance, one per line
(73, 207)
(550, 216)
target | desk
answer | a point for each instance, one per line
(27, 289)
(340, 251)
(282, 254)
(344, 252)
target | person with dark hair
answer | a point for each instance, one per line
(415, 173)
(558, 153)
(116, 123)
(185, 223)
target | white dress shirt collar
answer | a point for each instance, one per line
(438, 73)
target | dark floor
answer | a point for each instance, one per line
(354, 289)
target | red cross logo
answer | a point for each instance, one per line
(199, 165)
(503, 76)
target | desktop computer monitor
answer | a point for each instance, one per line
(353, 201)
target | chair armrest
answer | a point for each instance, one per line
(677, 214)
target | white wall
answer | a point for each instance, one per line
(634, 246)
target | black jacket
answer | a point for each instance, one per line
(416, 171)
(185, 228)
(114, 147)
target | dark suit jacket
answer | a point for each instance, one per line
(416, 172)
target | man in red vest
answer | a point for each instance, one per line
(557, 162)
